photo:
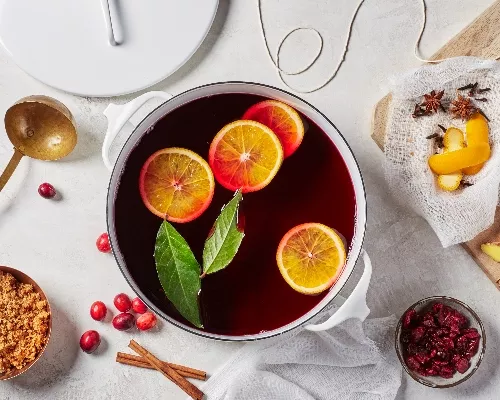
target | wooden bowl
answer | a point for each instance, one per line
(23, 278)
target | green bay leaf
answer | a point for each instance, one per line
(221, 247)
(179, 272)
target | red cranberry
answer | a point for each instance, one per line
(409, 318)
(90, 341)
(412, 363)
(462, 365)
(122, 302)
(446, 372)
(418, 333)
(138, 306)
(102, 243)
(123, 321)
(438, 341)
(46, 190)
(98, 310)
(146, 321)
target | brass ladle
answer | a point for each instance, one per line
(39, 127)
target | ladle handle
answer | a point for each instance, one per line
(119, 115)
(11, 166)
(355, 305)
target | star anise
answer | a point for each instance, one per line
(462, 108)
(432, 101)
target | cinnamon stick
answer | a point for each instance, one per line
(138, 361)
(167, 371)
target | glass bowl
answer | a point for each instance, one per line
(474, 322)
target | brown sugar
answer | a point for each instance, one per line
(24, 323)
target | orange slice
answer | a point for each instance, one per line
(176, 184)
(282, 119)
(477, 132)
(311, 257)
(246, 155)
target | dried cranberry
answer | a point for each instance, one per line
(422, 358)
(417, 334)
(437, 307)
(438, 342)
(446, 372)
(462, 343)
(448, 343)
(473, 346)
(412, 363)
(413, 348)
(428, 320)
(462, 365)
(409, 317)
(442, 332)
(470, 333)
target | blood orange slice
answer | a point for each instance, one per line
(176, 184)
(282, 119)
(311, 257)
(245, 155)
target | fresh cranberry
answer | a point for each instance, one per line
(122, 302)
(102, 243)
(98, 310)
(123, 321)
(90, 341)
(47, 191)
(146, 321)
(138, 306)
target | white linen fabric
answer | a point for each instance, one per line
(460, 215)
(354, 360)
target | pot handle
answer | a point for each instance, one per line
(119, 115)
(355, 306)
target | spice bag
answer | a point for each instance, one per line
(460, 215)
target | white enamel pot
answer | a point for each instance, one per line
(119, 115)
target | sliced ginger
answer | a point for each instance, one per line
(492, 250)
(477, 132)
(453, 161)
(453, 140)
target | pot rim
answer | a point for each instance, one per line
(229, 338)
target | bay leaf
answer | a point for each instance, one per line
(223, 244)
(179, 272)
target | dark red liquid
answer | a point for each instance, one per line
(250, 295)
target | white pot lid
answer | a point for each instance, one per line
(65, 44)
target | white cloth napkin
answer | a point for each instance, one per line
(351, 361)
(458, 216)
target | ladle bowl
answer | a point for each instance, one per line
(39, 127)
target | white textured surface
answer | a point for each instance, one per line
(54, 241)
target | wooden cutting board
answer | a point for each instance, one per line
(481, 39)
